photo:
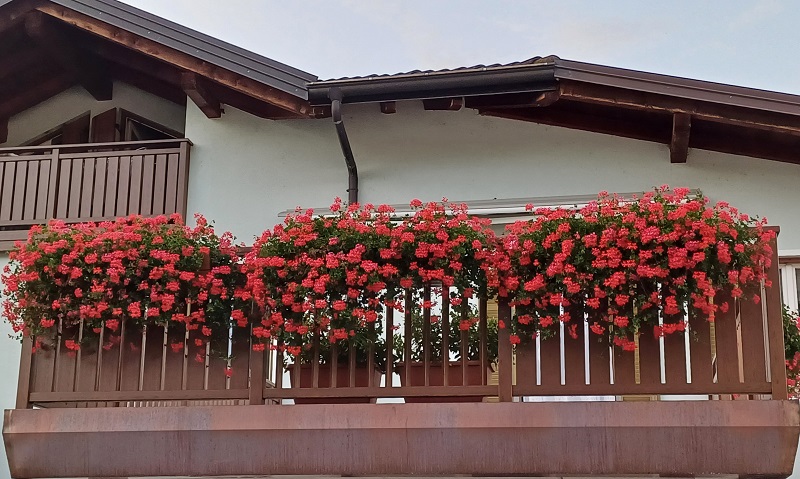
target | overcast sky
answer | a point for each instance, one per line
(751, 43)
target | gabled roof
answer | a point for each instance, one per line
(204, 47)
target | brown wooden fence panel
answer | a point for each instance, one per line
(91, 182)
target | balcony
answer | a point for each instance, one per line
(89, 182)
(99, 412)
(448, 396)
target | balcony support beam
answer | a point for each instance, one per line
(536, 439)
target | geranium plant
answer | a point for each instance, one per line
(628, 263)
(135, 270)
(334, 276)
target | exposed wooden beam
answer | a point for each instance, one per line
(320, 111)
(196, 89)
(19, 61)
(638, 100)
(450, 104)
(30, 96)
(248, 104)
(90, 74)
(147, 83)
(636, 125)
(12, 13)
(513, 100)
(679, 145)
(181, 60)
(3, 130)
(388, 107)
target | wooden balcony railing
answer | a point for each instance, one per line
(741, 353)
(90, 182)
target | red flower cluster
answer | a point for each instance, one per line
(624, 265)
(141, 270)
(335, 275)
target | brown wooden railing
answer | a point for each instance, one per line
(740, 354)
(90, 182)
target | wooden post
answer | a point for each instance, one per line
(52, 190)
(504, 353)
(774, 308)
(257, 378)
(25, 376)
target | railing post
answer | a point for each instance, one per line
(25, 376)
(183, 177)
(52, 191)
(777, 362)
(504, 353)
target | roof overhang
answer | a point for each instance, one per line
(678, 112)
(47, 46)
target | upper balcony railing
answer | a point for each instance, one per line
(741, 353)
(90, 182)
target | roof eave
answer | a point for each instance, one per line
(461, 83)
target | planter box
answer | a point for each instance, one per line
(362, 374)
(436, 378)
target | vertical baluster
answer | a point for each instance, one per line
(504, 353)
(445, 335)
(408, 336)
(483, 327)
(351, 367)
(389, 339)
(315, 360)
(465, 313)
(426, 334)
(371, 357)
(334, 364)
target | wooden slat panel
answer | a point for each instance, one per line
(19, 190)
(99, 194)
(65, 380)
(135, 196)
(64, 184)
(111, 187)
(87, 189)
(42, 369)
(700, 347)
(526, 363)
(649, 358)
(551, 361)
(130, 360)
(726, 341)
(173, 379)
(88, 365)
(171, 200)
(74, 189)
(755, 369)
(159, 184)
(32, 190)
(240, 363)
(154, 352)
(43, 192)
(109, 373)
(183, 178)
(7, 196)
(675, 355)
(574, 358)
(148, 172)
(123, 185)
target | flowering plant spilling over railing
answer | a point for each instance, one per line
(331, 278)
(791, 341)
(631, 266)
(88, 281)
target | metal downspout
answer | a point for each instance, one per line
(352, 171)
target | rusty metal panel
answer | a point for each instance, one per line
(624, 438)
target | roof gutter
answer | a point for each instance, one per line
(488, 81)
(335, 97)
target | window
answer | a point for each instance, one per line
(138, 128)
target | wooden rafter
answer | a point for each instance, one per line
(13, 13)
(196, 89)
(645, 101)
(19, 61)
(90, 74)
(388, 107)
(451, 104)
(147, 83)
(514, 100)
(181, 60)
(679, 145)
(31, 95)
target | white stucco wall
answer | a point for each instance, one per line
(76, 101)
(245, 170)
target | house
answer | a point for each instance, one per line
(106, 110)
